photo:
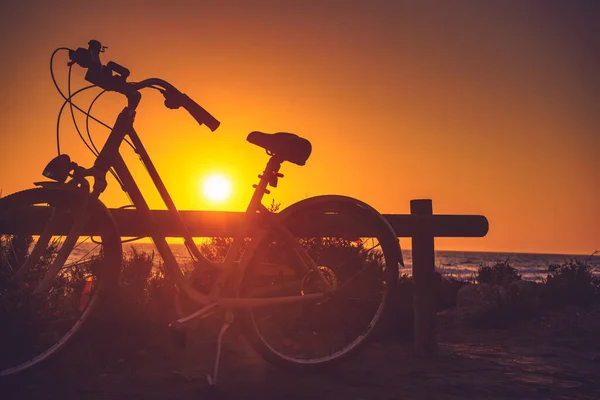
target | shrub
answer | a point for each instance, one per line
(447, 286)
(13, 250)
(505, 307)
(160, 306)
(137, 268)
(500, 273)
(216, 248)
(143, 296)
(571, 282)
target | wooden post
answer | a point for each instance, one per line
(423, 270)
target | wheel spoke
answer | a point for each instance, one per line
(36, 326)
(349, 257)
(320, 332)
(353, 278)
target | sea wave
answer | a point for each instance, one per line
(459, 264)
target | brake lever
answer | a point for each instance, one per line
(173, 99)
(80, 56)
(89, 57)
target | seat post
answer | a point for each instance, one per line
(269, 176)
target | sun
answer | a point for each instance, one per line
(216, 188)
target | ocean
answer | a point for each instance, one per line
(459, 264)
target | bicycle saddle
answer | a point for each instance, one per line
(287, 146)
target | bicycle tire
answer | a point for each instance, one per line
(288, 335)
(76, 291)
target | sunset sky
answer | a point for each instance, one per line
(488, 108)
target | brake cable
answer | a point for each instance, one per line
(87, 114)
(67, 100)
(93, 150)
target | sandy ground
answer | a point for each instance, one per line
(553, 356)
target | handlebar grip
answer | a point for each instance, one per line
(200, 114)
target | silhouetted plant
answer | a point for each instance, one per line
(500, 273)
(447, 286)
(216, 248)
(505, 306)
(274, 207)
(145, 293)
(141, 303)
(571, 282)
(37, 318)
(14, 250)
(135, 274)
(160, 296)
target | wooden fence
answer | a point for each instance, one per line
(421, 225)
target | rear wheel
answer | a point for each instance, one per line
(362, 270)
(37, 323)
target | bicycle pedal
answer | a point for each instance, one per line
(178, 336)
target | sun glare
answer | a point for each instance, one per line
(216, 188)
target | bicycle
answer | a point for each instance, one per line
(303, 301)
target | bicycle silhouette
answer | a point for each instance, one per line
(302, 301)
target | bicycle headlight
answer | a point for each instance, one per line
(58, 169)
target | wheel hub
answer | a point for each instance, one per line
(311, 282)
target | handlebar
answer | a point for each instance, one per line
(113, 77)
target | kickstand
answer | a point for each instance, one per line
(212, 379)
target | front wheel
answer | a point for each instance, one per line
(42, 310)
(358, 259)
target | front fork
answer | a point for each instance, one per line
(59, 169)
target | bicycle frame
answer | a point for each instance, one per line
(68, 207)
(255, 217)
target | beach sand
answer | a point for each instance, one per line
(555, 355)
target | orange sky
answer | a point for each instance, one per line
(485, 107)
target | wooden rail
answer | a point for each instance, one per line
(421, 225)
(221, 223)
